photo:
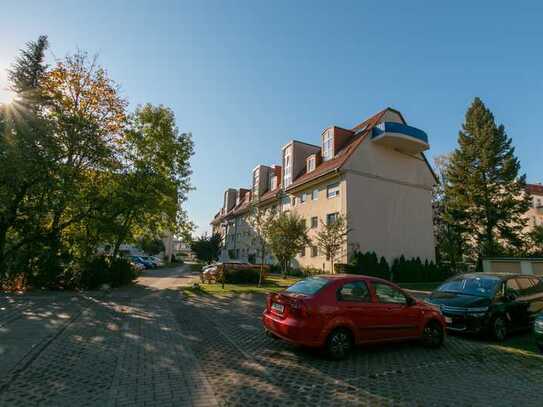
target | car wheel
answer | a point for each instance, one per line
(339, 344)
(499, 328)
(433, 335)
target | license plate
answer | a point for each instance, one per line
(278, 307)
(448, 320)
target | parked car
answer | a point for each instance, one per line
(339, 311)
(159, 262)
(212, 272)
(538, 331)
(145, 263)
(154, 260)
(137, 266)
(489, 302)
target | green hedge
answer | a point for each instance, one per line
(104, 270)
(247, 276)
(402, 270)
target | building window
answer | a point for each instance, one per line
(314, 222)
(310, 163)
(331, 218)
(314, 251)
(285, 201)
(293, 201)
(332, 190)
(303, 197)
(288, 168)
(315, 195)
(327, 152)
(302, 253)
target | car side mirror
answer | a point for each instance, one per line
(411, 301)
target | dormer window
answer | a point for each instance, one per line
(327, 145)
(311, 163)
(288, 168)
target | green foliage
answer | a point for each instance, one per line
(402, 270)
(286, 236)
(536, 236)
(331, 239)
(206, 248)
(101, 270)
(485, 191)
(242, 276)
(151, 246)
(77, 171)
(370, 265)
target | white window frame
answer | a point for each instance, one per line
(332, 194)
(311, 164)
(329, 215)
(327, 146)
(315, 194)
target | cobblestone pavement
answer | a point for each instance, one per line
(146, 345)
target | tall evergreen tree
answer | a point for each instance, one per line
(486, 195)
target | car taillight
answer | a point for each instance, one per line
(300, 308)
(268, 301)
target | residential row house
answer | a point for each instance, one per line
(535, 212)
(375, 174)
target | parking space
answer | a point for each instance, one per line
(150, 345)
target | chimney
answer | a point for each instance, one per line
(230, 198)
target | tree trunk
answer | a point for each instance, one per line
(122, 235)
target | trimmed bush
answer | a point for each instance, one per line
(402, 271)
(104, 270)
(241, 276)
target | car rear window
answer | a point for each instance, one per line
(309, 286)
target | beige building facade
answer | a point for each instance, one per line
(375, 174)
(535, 212)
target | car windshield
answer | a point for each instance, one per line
(309, 286)
(483, 286)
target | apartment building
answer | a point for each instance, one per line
(535, 213)
(375, 174)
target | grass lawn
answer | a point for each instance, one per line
(272, 283)
(420, 286)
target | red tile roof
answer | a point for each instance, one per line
(270, 194)
(341, 157)
(361, 132)
(534, 189)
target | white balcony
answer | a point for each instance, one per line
(400, 137)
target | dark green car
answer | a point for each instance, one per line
(538, 331)
(491, 303)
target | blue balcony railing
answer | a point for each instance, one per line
(393, 127)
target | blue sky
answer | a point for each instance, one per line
(247, 77)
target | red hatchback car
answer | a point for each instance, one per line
(337, 312)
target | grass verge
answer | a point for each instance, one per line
(272, 283)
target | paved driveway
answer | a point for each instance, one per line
(148, 346)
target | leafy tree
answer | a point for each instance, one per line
(332, 238)
(207, 248)
(286, 235)
(260, 220)
(536, 236)
(447, 235)
(76, 171)
(151, 246)
(156, 175)
(485, 193)
(26, 158)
